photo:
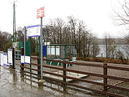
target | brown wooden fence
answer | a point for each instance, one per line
(50, 70)
(31, 72)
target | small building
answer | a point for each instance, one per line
(60, 52)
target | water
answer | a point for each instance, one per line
(121, 48)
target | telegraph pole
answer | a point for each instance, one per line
(14, 35)
(14, 23)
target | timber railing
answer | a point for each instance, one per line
(31, 72)
(51, 73)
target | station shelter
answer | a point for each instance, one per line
(59, 52)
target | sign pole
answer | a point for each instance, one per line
(40, 14)
(24, 43)
(41, 49)
(13, 58)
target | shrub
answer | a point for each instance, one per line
(108, 60)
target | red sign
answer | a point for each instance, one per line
(40, 12)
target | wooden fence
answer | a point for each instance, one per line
(49, 72)
(31, 71)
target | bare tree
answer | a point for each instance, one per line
(72, 22)
(5, 41)
(111, 47)
(72, 32)
(60, 24)
(123, 15)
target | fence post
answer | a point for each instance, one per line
(39, 68)
(22, 64)
(105, 74)
(13, 56)
(64, 77)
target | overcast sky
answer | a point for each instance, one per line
(98, 15)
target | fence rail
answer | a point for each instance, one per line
(50, 69)
(31, 72)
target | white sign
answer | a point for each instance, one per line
(33, 31)
(25, 59)
(2, 62)
(73, 58)
(10, 58)
(1, 58)
(4, 59)
(15, 44)
(40, 12)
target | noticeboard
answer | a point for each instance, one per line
(5, 61)
(10, 58)
(33, 31)
(1, 56)
(25, 59)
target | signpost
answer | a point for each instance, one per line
(34, 31)
(40, 14)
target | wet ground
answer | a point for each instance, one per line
(11, 85)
